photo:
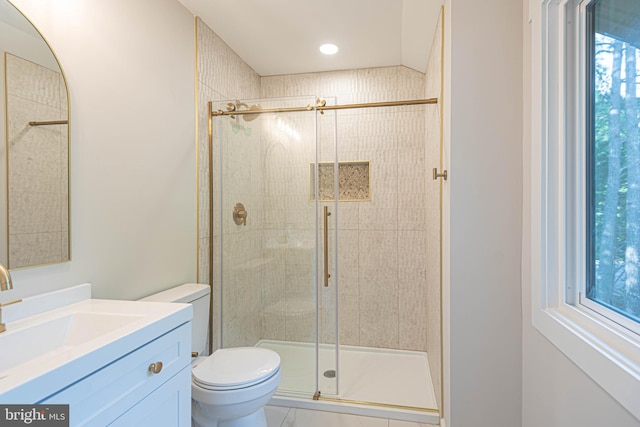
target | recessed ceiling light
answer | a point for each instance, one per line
(329, 49)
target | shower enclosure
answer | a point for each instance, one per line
(272, 232)
(302, 237)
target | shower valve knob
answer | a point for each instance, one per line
(239, 214)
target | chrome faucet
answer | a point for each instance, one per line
(5, 285)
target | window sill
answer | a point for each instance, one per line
(608, 356)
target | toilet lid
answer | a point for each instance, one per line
(236, 367)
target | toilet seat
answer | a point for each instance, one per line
(236, 368)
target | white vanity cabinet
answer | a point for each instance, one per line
(132, 390)
(125, 363)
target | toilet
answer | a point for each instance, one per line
(230, 387)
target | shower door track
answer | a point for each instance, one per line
(318, 396)
(321, 107)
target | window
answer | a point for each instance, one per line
(583, 161)
(612, 285)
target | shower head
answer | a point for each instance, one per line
(251, 117)
(236, 108)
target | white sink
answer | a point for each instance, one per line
(41, 348)
(51, 335)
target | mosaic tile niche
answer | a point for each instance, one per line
(353, 181)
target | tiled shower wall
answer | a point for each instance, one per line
(223, 75)
(382, 242)
(38, 164)
(289, 223)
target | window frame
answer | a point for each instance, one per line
(605, 313)
(609, 354)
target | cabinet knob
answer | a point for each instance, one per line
(155, 367)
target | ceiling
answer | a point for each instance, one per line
(12, 17)
(283, 36)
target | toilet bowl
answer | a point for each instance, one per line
(230, 387)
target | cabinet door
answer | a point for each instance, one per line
(168, 406)
(112, 390)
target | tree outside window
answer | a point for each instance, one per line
(614, 157)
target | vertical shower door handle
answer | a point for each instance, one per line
(326, 246)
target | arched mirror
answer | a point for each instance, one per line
(34, 163)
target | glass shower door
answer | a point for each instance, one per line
(269, 224)
(328, 195)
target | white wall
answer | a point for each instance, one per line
(556, 393)
(130, 67)
(482, 213)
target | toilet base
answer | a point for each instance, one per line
(256, 419)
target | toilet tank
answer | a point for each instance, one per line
(197, 295)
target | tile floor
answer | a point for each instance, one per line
(293, 417)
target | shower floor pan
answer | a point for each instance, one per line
(385, 383)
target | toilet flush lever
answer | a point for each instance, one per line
(155, 368)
